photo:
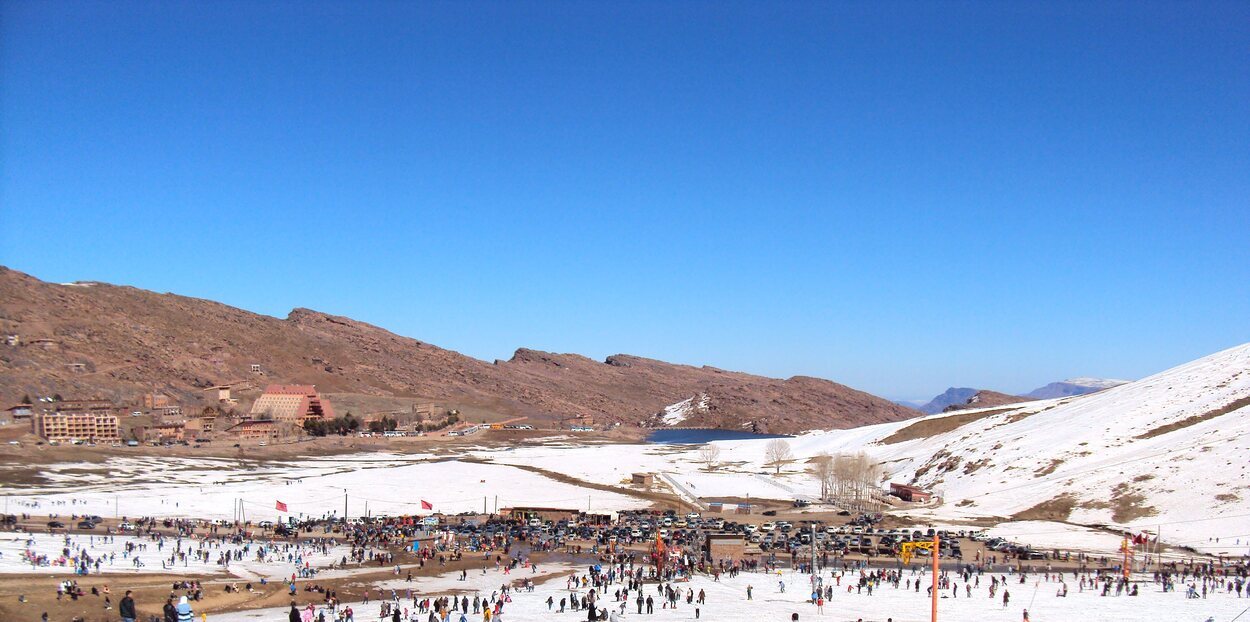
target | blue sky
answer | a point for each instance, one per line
(899, 197)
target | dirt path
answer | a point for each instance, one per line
(661, 500)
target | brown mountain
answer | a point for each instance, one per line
(95, 339)
(985, 398)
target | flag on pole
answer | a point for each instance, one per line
(426, 505)
(281, 506)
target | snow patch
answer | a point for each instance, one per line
(674, 414)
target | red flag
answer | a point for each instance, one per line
(281, 506)
(426, 505)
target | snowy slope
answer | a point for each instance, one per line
(1107, 455)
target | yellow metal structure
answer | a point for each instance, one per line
(907, 549)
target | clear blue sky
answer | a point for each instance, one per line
(900, 197)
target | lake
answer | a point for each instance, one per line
(695, 437)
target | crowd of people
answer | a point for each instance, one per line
(618, 582)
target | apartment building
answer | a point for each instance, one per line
(68, 427)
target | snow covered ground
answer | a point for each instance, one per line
(382, 483)
(727, 602)
(17, 549)
(1044, 535)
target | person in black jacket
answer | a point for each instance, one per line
(293, 616)
(171, 614)
(126, 608)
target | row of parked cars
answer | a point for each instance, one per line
(1010, 548)
(87, 523)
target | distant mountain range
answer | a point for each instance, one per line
(958, 398)
(1074, 386)
(951, 397)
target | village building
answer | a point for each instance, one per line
(77, 420)
(164, 433)
(542, 514)
(86, 406)
(153, 401)
(168, 414)
(910, 493)
(202, 425)
(21, 412)
(646, 480)
(255, 430)
(223, 394)
(291, 403)
(68, 427)
(427, 412)
(725, 547)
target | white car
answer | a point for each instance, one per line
(766, 527)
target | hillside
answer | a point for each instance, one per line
(1166, 451)
(953, 396)
(985, 399)
(119, 342)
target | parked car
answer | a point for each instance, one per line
(56, 524)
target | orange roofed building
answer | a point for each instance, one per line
(291, 403)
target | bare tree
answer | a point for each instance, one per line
(855, 478)
(709, 454)
(822, 471)
(777, 452)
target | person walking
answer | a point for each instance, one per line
(126, 608)
(184, 611)
(293, 614)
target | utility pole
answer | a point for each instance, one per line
(1127, 550)
(813, 534)
(1159, 548)
(344, 506)
(936, 548)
